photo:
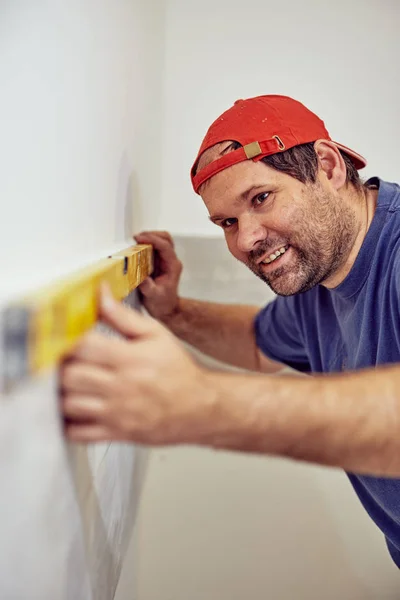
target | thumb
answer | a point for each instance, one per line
(127, 321)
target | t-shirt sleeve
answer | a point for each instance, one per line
(278, 334)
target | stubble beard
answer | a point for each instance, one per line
(322, 242)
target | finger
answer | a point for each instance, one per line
(101, 349)
(162, 245)
(82, 378)
(92, 433)
(143, 236)
(166, 261)
(84, 408)
(167, 236)
(127, 321)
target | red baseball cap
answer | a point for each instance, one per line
(263, 125)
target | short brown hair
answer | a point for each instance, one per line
(301, 162)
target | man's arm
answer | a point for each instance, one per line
(144, 387)
(347, 420)
(223, 331)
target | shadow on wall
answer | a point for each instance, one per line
(127, 196)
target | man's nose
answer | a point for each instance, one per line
(250, 234)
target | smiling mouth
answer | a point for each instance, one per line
(274, 256)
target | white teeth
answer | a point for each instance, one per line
(274, 255)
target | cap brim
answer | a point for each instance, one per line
(359, 161)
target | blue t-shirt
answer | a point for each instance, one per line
(353, 326)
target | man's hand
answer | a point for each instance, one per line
(144, 387)
(160, 291)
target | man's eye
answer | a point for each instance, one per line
(257, 200)
(226, 223)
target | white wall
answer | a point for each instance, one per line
(222, 526)
(80, 121)
(339, 58)
(80, 115)
(81, 149)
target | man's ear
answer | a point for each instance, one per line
(331, 163)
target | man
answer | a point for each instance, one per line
(294, 210)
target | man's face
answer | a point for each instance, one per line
(291, 235)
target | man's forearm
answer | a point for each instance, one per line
(223, 331)
(348, 420)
